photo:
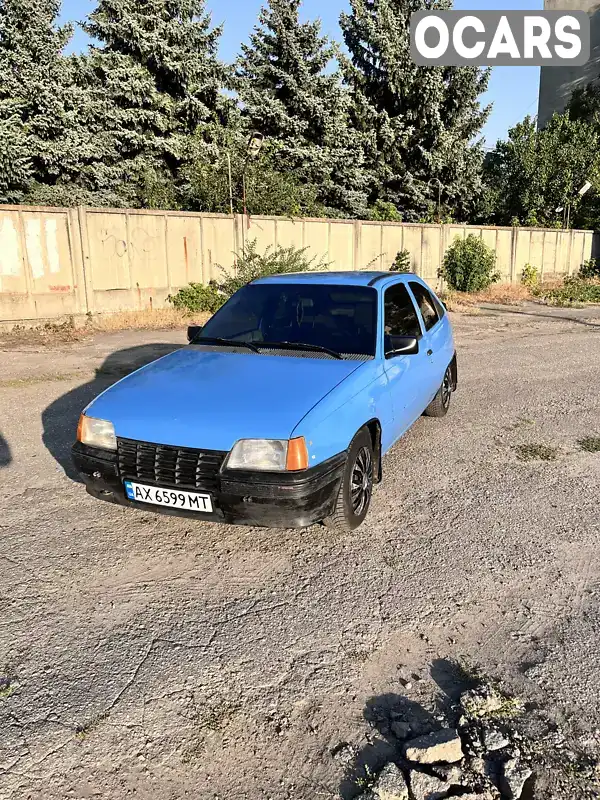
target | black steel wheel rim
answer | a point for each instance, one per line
(446, 389)
(361, 482)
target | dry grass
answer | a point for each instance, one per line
(536, 452)
(456, 306)
(155, 319)
(20, 383)
(53, 334)
(590, 444)
(505, 294)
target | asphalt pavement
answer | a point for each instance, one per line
(153, 656)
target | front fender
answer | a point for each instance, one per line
(332, 424)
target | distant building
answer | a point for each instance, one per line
(558, 83)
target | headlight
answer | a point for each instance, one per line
(96, 433)
(269, 455)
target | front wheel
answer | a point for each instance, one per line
(354, 497)
(441, 402)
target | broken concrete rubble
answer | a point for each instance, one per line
(391, 784)
(493, 739)
(514, 776)
(434, 748)
(427, 787)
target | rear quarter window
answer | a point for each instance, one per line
(427, 305)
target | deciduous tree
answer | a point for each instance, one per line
(535, 172)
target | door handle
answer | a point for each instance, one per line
(430, 352)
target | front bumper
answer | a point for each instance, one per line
(272, 500)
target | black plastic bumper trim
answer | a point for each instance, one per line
(275, 500)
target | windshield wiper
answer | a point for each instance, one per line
(301, 346)
(225, 343)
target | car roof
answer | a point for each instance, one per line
(366, 278)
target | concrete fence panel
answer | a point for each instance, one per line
(341, 245)
(392, 242)
(431, 252)
(184, 251)
(316, 240)
(59, 262)
(289, 233)
(412, 243)
(370, 256)
(503, 247)
(262, 230)
(108, 249)
(40, 264)
(220, 240)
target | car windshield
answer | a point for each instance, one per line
(335, 318)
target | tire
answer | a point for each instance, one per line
(353, 501)
(441, 402)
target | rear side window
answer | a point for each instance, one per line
(427, 305)
(400, 315)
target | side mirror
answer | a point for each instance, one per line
(401, 346)
(193, 331)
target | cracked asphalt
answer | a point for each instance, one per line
(156, 657)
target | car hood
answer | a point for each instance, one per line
(209, 399)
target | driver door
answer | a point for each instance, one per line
(409, 376)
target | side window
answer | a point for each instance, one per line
(426, 304)
(400, 316)
(440, 308)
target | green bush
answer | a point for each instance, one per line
(530, 276)
(590, 268)
(402, 262)
(198, 297)
(250, 265)
(469, 265)
(274, 261)
(574, 290)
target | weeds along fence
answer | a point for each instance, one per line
(57, 262)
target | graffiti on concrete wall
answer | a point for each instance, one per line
(140, 243)
(59, 261)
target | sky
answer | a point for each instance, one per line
(513, 91)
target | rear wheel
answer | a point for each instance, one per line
(356, 491)
(441, 402)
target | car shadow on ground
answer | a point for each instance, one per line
(5, 454)
(60, 418)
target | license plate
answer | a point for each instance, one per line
(172, 498)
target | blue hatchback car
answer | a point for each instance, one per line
(280, 410)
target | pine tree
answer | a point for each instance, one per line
(423, 119)
(117, 119)
(33, 85)
(287, 95)
(15, 161)
(171, 42)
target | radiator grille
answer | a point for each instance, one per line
(169, 466)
